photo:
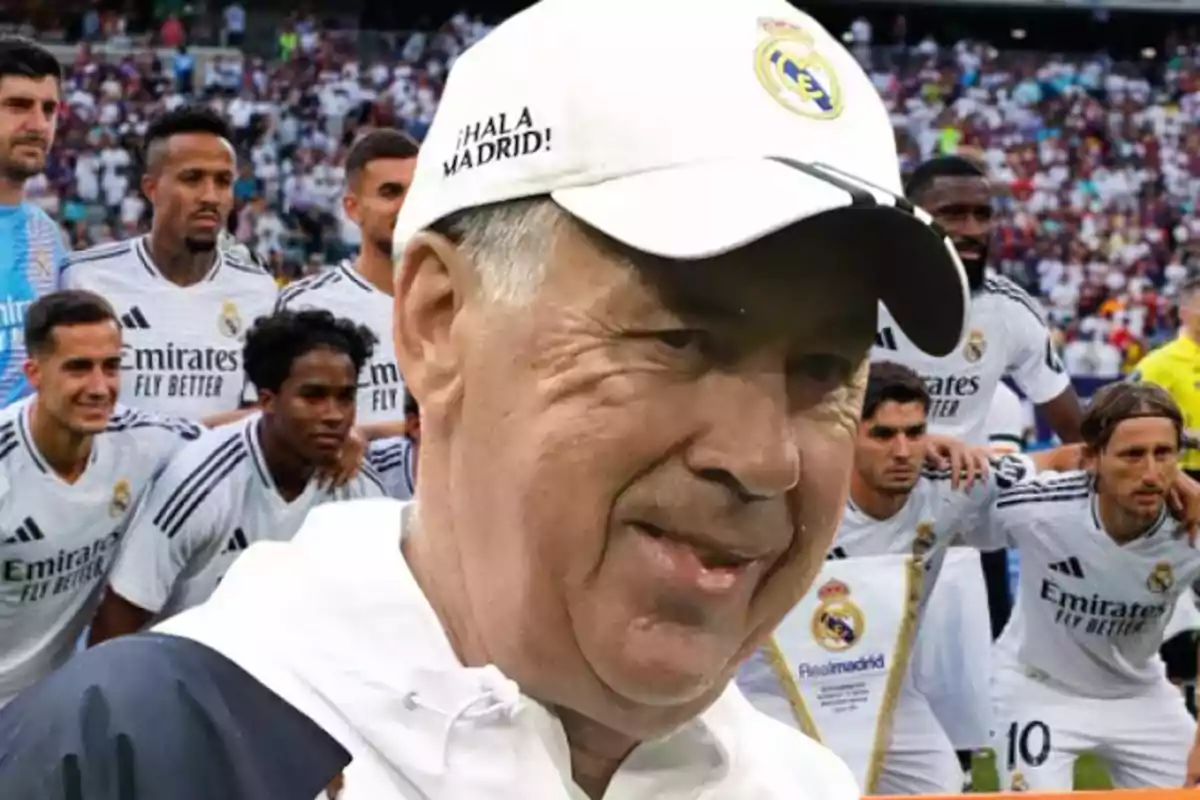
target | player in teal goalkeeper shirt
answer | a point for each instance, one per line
(31, 244)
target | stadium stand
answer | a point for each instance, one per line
(1099, 170)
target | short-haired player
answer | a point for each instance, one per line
(31, 243)
(251, 480)
(183, 301)
(379, 169)
(73, 466)
(1102, 566)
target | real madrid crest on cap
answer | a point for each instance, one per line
(794, 73)
(230, 321)
(122, 496)
(1161, 579)
(975, 346)
(837, 623)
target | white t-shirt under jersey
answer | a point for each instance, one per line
(58, 539)
(1007, 421)
(343, 292)
(1089, 613)
(213, 500)
(1006, 336)
(183, 345)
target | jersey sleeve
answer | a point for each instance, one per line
(150, 716)
(1033, 362)
(157, 437)
(177, 529)
(392, 460)
(980, 528)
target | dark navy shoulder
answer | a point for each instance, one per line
(152, 716)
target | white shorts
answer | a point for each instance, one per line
(1041, 729)
(920, 758)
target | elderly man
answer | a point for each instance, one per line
(638, 342)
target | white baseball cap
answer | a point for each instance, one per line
(687, 130)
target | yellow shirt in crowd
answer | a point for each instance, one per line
(1176, 368)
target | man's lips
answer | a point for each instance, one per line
(711, 550)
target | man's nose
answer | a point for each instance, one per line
(747, 443)
(902, 446)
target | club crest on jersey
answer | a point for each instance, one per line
(43, 261)
(925, 539)
(122, 497)
(1018, 783)
(799, 78)
(837, 623)
(230, 321)
(975, 346)
(1161, 579)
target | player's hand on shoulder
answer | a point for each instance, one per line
(349, 462)
(966, 464)
(1183, 499)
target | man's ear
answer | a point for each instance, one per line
(33, 373)
(266, 399)
(434, 282)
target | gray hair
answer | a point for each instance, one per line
(509, 243)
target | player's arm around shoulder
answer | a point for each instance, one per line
(150, 717)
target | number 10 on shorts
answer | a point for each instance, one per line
(1028, 744)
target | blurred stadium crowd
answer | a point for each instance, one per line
(1097, 169)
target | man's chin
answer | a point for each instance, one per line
(682, 670)
(200, 244)
(976, 270)
(21, 171)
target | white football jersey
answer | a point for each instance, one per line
(58, 539)
(213, 500)
(343, 292)
(1089, 613)
(394, 460)
(934, 517)
(1006, 336)
(182, 352)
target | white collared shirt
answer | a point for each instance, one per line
(334, 622)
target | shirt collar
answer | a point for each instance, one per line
(142, 248)
(708, 742)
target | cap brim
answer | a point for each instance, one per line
(702, 210)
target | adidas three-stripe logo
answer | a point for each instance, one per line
(134, 319)
(1068, 566)
(237, 542)
(27, 531)
(837, 553)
